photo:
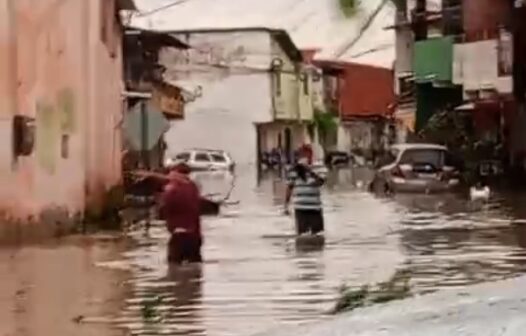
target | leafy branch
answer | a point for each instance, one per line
(349, 8)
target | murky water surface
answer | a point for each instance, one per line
(255, 277)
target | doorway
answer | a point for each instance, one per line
(288, 145)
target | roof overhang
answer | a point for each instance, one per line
(286, 43)
(279, 35)
(127, 5)
(161, 39)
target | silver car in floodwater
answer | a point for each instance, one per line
(420, 168)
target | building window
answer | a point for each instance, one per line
(505, 53)
(452, 17)
(277, 80)
(406, 87)
(419, 20)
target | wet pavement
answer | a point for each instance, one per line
(255, 277)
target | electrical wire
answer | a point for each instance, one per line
(372, 50)
(368, 23)
(161, 8)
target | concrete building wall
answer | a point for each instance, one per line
(306, 96)
(287, 95)
(63, 76)
(364, 135)
(7, 66)
(355, 135)
(476, 66)
(104, 103)
(235, 96)
(404, 51)
(482, 18)
(273, 132)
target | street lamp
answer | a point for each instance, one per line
(276, 64)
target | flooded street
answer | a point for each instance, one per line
(56, 289)
(255, 277)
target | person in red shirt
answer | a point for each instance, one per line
(307, 152)
(180, 207)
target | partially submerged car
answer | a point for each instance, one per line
(420, 168)
(203, 160)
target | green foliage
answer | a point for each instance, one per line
(349, 8)
(325, 122)
(351, 299)
(396, 288)
(149, 309)
(456, 131)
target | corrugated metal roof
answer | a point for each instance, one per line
(311, 24)
(367, 91)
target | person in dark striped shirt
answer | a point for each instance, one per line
(304, 190)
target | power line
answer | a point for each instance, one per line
(363, 29)
(373, 50)
(161, 8)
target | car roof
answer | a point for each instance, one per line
(408, 146)
(205, 150)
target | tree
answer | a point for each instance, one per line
(349, 7)
(325, 123)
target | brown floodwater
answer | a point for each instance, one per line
(255, 278)
(56, 288)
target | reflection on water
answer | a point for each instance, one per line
(255, 276)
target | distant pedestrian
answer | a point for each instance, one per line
(307, 152)
(304, 189)
(180, 207)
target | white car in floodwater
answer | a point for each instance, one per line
(203, 160)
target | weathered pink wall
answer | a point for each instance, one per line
(68, 81)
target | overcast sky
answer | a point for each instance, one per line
(311, 23)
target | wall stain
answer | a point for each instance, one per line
(66, 107)
(52, 123)
(47, 136)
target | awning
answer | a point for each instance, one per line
(189, 89)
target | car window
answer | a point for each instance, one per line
(183, 157)
(202, 157)
(218, 158)
(429, 156)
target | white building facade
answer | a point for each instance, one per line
(253, 92)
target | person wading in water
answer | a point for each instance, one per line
(304, 189)
(179, 205)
